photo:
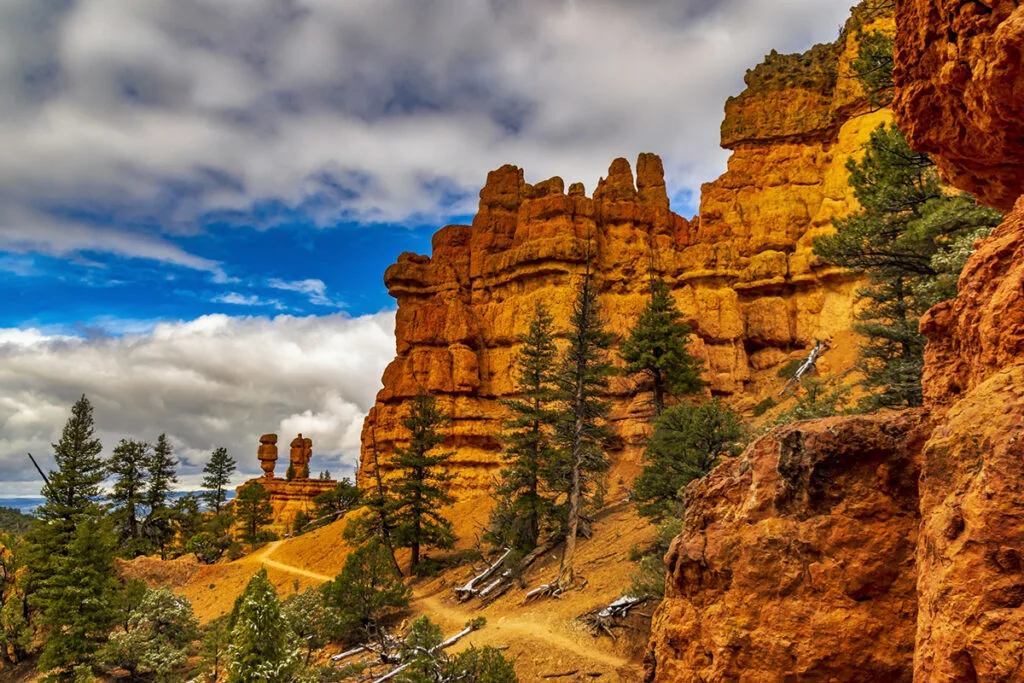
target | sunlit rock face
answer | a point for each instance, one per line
(960, 91)
(742, 271)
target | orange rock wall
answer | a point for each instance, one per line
(287, 498)
(742, 271)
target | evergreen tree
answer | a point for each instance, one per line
(155, 642)
(426, 661)
(911, 238)
(64, 569)
(253, 511)
(187, 520)
(367, 591)
(79, 600)
(336, 503)
(581, 380)
(657, 348)
(309, 618)
(417, 491)
(162, 470)
(17, 631)
(261, 649)
(688, 441)
(522, 504)
(378, 521)
(218, 475)
(128, 466)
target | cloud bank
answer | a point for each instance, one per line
(213, 381)
(124, 123)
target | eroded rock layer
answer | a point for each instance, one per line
(796, 560)
(743, 271)
(960, 91)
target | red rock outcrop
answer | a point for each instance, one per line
(743, 271)
(796, 560)
(960, 91)
(738, 604)
(289, 496)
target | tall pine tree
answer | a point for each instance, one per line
(162, 471)
(128, 466)
(657, 349)
(69, 552)
(581, 380)
(377, 523)
(529, 448)
(911, 238)
(218, 474)
(417, 490)
(253, 510)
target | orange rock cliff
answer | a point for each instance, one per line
(888, 547)
(743, 271)
(288, 496)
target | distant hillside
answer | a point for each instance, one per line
(13, 521)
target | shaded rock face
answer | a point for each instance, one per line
(796, 560)
(960, 96)
(960, 90)
(742, 272)
(952, 535)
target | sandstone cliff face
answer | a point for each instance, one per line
(796, 560)
(953, 544)
(960, 89)
(742, 271)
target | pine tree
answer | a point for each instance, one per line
(688, 441)
(261, 649)
(218, 475)
(253, 511)
(378, 521)
(911, 238)
(61, 570)
(657, 348)
(417, 490)
(522, 504)
(365, 593)
(581, 380)
(187, 520)
(79, 600)
(162, 471)
(336, 503)
(128, 466)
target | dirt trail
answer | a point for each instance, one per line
(530, 628)
(263, 557)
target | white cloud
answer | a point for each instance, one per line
(213, 381)
(316, 290)
(236, 299)
(365, 109)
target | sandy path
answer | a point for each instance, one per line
(532, 629)
(263, 557)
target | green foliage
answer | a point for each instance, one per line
(522, 503)
(14, 522)
(648, 579)
(368, 590)
(186, 520)
(216, 637)
(154, 644)
(819, 398)
(261, 649)
(158, 527)
(208, 547)
(300, 522)
(289, 474)
(657, 349)
(339, 501)
(218, 472)
(78, 600)
(309, 618)
(428, 663)
(581, 381)
(764, 406)
(17, 632)
(129, 598)
(911, 238)
(418, 492)
(128, 467)
(873, 67)
(253, 511)
(688, 441)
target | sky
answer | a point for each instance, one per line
(199, 198)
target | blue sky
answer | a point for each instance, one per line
(199, 198)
